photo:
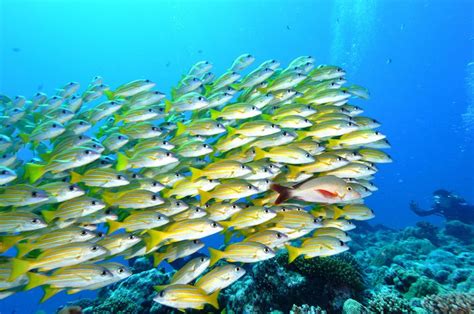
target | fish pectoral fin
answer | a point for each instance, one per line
(61, 161)
(327, 246)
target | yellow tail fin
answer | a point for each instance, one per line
(19, 267)
(158, 258)
(48, 293)
(293, 171)
(301, 135)
(168, 105)
(216, 255)
(6, 242)
(48, 215)
(230, 131)
(293, 253)
(23, 249)
(195, 173)
(122, 162)
(34, 171)
(181, 128)
(213, 299)
(337, 212)
(75, 177)
(35, 280)
(113, 226)
(156, 237)
(214, 114)
(259, 153)
(109, 94)
(204, 197)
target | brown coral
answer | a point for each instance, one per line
(452, 303)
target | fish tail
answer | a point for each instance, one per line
(195, 173)
(160, 287)
(293, 253)
(208, 89)
(266, 117)
(230, 131)
(109, 94)
(301, 135)
(48, 293)
(34, 171)
(259, 153)
(213, 299)
(204, 197)
(35, 280)
(168, 105)
(113, 226)
(214, 114)
(24, 137)
(158, 258)
(293, 171)
(228, 236)
(23, 248)
(156, 237)
(333, 143)
(338, 212)
(48, 215)
(284, 193)
(216, 255)
(109, 197)
(6, 242)
(19, 267)
(181, 128)
(122, 162)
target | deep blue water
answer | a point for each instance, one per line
(412, 55)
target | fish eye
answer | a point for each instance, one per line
(211, 181)
(35, 220)
(155, 183)
(131, 237)
(205, 146)
(120, 137)
(266, 211)
(177, 175)
(234, 206)
(249, 187)
(266, 250)
(254, 108)
(34, 194)
(377, 133)
(168, 154)
(339, 158)
(242, 166)
(158, 217)
(285, 133)
(200, 98)
(103, 273)
(273, 125)
(197, 209)
(63, 111)
(147, 81)
(150, 110)
(162, 294)
(220, 125)
(154, 128)
(88, 152)
(120, 270)
(72, 188)
(308, 155)
(349, 188)
(120, 177)
(83, 232)
(309, 107)
(94, 248)
(195, 241)
(4, 172)
(154, 197)
(214, 225)
(54, 125)
(279, 235)
(94, 202)
(341, 243)
(306, 121)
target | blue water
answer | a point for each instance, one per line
(412, 55)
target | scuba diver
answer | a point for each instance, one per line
(447, 205)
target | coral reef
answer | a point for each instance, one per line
(453, 303)
(419, 269)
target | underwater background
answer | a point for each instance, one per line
(415, 57)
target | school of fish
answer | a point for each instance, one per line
(274, 158)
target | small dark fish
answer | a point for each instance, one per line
(168, 64)
(199, 51)
(288, 27)
(16, 49)
(389, 60)
(40, 87)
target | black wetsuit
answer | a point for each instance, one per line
(457, 210)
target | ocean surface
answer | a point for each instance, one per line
(415, 57)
